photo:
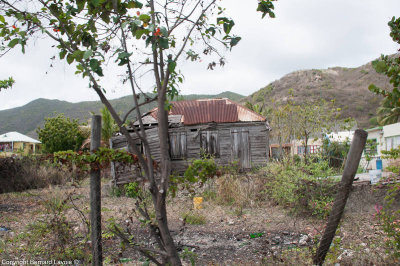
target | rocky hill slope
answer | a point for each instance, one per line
(348, 86)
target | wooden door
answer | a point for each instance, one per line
(240, 148)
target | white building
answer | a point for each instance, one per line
(386, 138)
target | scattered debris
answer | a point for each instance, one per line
(3, 228)
(303, 240)
(255, 235)
(346, 253)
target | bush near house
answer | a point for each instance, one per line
(60, 134)
(303, 188)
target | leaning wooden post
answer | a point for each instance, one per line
(350, 170)
(95, 195)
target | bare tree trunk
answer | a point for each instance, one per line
(161, 186)
(280, 154)
(305, 148)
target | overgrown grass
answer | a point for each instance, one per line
(53, 234)
(194, 217)
(303, 188)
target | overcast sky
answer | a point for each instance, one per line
(305, 34)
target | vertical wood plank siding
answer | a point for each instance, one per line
(186, 142)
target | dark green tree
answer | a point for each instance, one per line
(60, 133)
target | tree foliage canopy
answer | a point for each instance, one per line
(389, 111)
(60, 134)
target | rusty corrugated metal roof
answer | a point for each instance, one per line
(211, 110)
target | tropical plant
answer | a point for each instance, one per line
(108, 125)
(389, 111)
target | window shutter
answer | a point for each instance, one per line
(209, 142)
(177, 144)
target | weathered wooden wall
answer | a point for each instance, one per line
(227, 141)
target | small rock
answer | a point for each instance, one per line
(276, 240)
(346, 253)
(286, 233)
(303, 240)
(363, 244)
(286, 242)
(231, 222)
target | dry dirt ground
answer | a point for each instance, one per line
(263, 234)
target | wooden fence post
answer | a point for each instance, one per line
(95, 195)
(350, 170)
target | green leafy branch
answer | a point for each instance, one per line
(86, 161)
(7, 83)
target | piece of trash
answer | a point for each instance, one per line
(255, 235)
(125, 260)
(3, 228)
(198, 203)
(303, 240)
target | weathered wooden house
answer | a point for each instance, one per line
(219, 127)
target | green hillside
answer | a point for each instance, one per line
(27, 118)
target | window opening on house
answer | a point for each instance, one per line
(310, 149)
(177, 144)
(392, 142)
(209, 144)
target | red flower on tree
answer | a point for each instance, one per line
(13, 26)
(56, 30)
(157, 33)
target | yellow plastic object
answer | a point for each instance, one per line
(197, 202)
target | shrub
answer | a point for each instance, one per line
(53, 235)
(389, 217)
(60, 134)
(198, 172)
(19, 174)
(302, 188)
(189, 256)
(194, 217)
(335, 152)
(132, 190)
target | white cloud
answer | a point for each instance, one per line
(304, 35)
